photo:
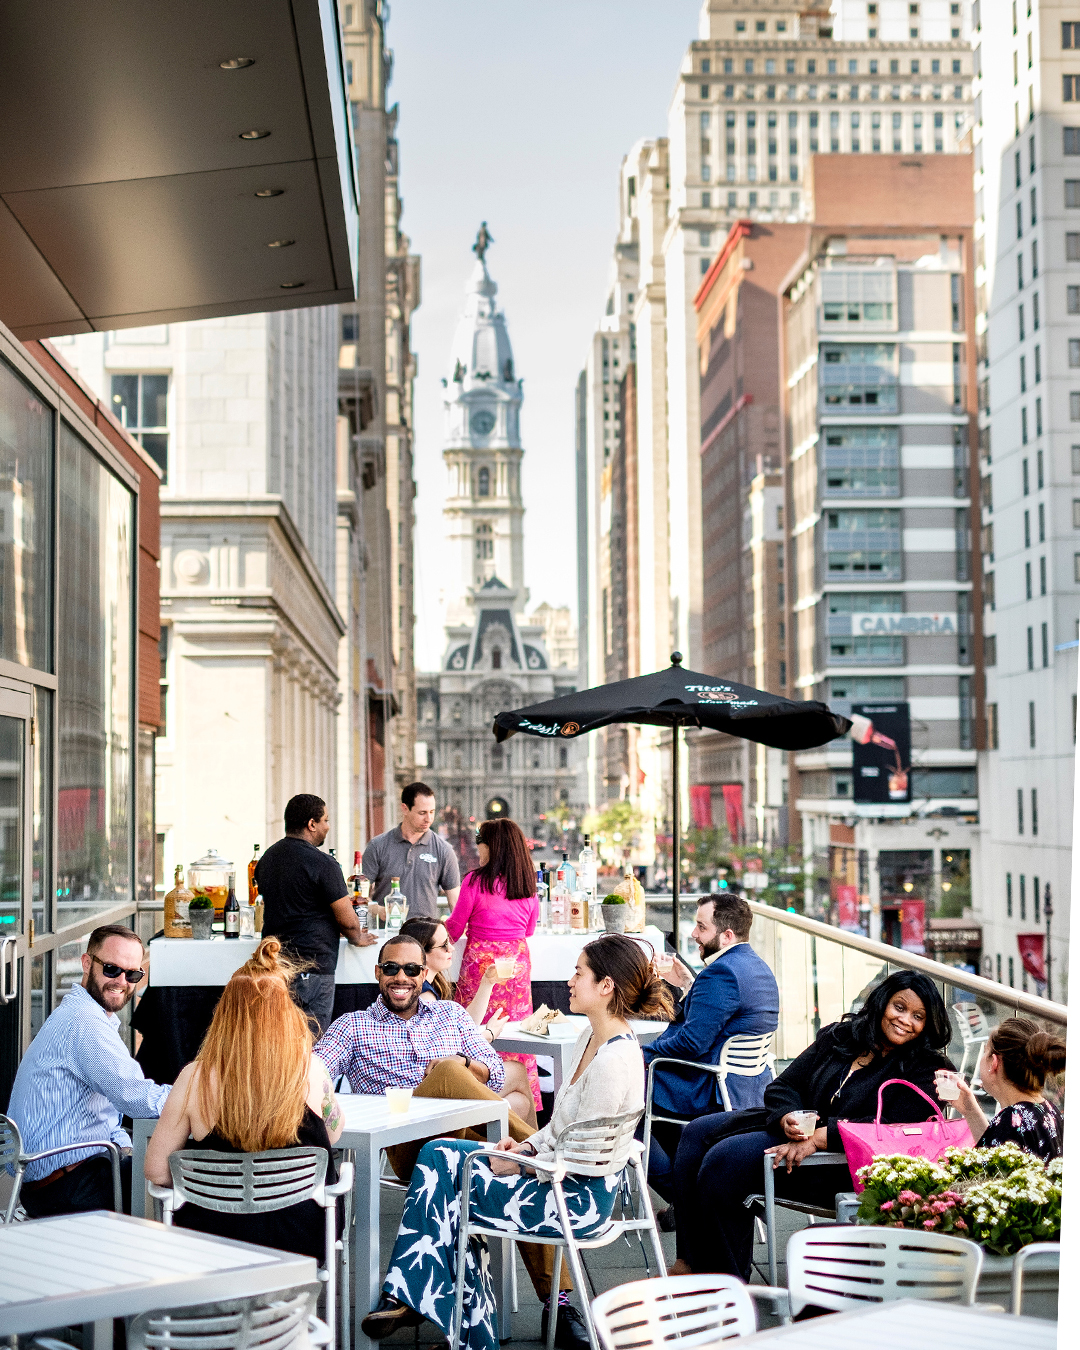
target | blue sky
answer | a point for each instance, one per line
(519, 114)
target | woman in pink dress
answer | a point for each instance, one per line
(497, 908)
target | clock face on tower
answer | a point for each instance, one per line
(482, 422)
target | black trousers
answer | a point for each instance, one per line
(88, 1186)
(711, 1180)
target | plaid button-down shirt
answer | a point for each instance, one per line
(375, 1049)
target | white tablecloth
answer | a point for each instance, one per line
(185, 962)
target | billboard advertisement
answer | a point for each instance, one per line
(881, 753)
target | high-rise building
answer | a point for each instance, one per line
(376, 741)
(761, 90)
(495, 657)
(883, 604)
(1027, 195)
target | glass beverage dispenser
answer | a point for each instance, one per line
(209, 875)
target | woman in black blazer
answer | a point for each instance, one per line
(900, 1032)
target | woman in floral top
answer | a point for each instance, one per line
(1016, 1061)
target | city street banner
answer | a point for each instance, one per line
(913, 924)
(1033, 955)
(847, 904)
(701, 805)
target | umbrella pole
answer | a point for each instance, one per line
(676, 862)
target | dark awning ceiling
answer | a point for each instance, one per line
(129, 194)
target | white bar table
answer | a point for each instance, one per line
(559, 1044)
(908, 1322)
(90, 1268)
(369, 1128)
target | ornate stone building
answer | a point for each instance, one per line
(495, 657)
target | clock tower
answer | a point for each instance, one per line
(483, 513)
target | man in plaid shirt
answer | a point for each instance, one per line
(398, 1040)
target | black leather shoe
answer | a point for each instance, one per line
(389, 1316)
(570, 1331)
(665, 1219)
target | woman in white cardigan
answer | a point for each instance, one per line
(613, 981)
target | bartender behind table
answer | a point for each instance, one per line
(307, 905)
(423, 861)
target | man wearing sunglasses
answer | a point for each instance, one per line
(77, 1081)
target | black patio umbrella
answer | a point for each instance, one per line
(679, 698)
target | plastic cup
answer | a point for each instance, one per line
(504, 966)
(398, 1099)
(947, 1084)
(805, 1121)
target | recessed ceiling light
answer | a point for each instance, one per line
(237, 63)
(253, 135)
(290, 285)
(269, 192)
(281, 243)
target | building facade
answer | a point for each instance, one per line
(1027, 194)
(883, 602)
(495, 657)
(240, 414)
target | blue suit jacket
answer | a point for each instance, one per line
(736, 995)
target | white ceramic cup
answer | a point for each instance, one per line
(947, 1083)
(805, 1121)
(398, 1099)
(505, 966)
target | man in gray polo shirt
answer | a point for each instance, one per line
(424, 862)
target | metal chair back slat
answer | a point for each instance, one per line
(248, 1183)
(843, 1267)
(742, 1057)
(263, 1322)
(676, 1310)
(974, 1033)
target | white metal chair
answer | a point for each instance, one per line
(1020, 1260)
(842, 1268)
(680, 1310)
(586, 1148)
(740, 1057)
(974, 1033)
(258, 1183)
(770, 1201)
(12, 1155)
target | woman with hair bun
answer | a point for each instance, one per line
(1016, 1061)
(255, 1085)
(613, 981)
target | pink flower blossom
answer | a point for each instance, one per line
(908, 1197)
(938, 1207)
(961, 1225)
(930, 1223)
(886, 1206)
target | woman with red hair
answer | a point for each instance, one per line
(498, 909)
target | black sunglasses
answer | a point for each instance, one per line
(410, 968)
(479, 840)
(111, 971)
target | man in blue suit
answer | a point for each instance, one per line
(735, 995)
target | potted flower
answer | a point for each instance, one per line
(613, 908)
(201, 910)
(1003, 1198)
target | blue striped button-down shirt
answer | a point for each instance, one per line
(376, 1049)
(75, 1082)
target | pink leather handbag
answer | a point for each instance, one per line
(865, 1141)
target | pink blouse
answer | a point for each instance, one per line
(489, 916)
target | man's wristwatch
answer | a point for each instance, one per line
(531, 1149)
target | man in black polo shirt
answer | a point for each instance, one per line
(307, 905)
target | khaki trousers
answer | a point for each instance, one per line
(450, 1078)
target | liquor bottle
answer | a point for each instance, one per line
(232, 911)
(395, 904)
(560, 904)
(587, 881)
(253, 885)
(353, 879)
(569, 872)
(333, 853)
(177, 914)
(579, 908)
(359, 886)
(543, 918)
(258, 916)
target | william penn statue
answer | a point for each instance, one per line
(483, 241)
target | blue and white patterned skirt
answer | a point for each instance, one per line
(423, 1266)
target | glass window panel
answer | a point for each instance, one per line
(42, 789)
(94, 789)
(38, 992)
(156, 445)
(125, 399)
(155, 400)
(26, 535)
(12, 733)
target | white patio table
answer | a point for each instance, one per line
(90, 1268)
(908, 1322)
(369, 1128)
(559, 1044)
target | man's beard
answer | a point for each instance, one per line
(709, 948)
(97, 993)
